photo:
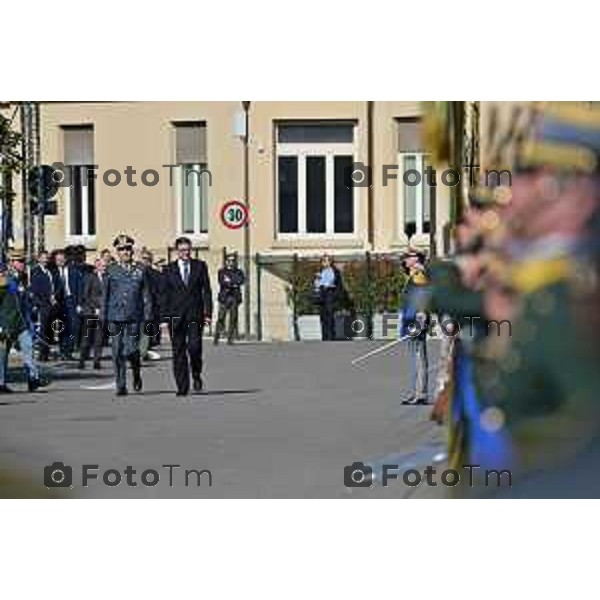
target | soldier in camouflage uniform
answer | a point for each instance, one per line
(127, 305)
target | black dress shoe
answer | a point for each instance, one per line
(137, 381)
(122, 392)
(81, 364)
(198, 385)
(416, 401)
(4, 389)
(97, 365)
(34, 384)
(181, 393)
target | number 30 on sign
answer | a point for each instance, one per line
(234, 214)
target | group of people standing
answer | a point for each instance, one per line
(119, 300)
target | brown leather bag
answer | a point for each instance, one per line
(439, 412)
(441, 405)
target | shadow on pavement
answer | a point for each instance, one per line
(7, 403)
(203, 393)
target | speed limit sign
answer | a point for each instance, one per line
(234, 214)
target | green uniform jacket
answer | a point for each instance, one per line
(12, 322)
(548, 386)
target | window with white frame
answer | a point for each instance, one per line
(414, 193)
(80, 194)
(192, 178)
(314, 197)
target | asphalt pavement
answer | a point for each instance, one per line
(276, 420)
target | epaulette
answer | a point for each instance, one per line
(529, 276)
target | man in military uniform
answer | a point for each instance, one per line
(457, 296)
(415, 324)
(545, 393)
(231, 278)
(127, 305)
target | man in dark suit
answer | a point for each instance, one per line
(187, 305)
(92, 304)
(69, 278)
(43, 298)
(150, 336)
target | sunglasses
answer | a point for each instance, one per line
(123, 248)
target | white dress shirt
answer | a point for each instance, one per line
(47, 273)
(64, 273)
(181, 264)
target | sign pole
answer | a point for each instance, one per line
(247, 296)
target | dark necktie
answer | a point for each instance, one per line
(186, 272)
(49, 276)
(65, 278)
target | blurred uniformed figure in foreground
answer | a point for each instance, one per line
(548, 389)
(127, 305)
(468, 353)
(538, 268)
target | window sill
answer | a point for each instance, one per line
(198, 240)
(89, 241)
(418, 240)
(301, 242)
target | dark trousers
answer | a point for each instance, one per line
(224, 310)
(186, 338)
(45, 335)
(125, 339)
(155, 339)
(150, 336)
(92, 336)
(327, 314)
(69, 335)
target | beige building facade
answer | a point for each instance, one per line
(299, 157)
